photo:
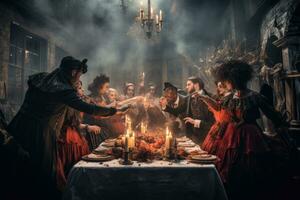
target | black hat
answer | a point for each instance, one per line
(169, 85)
(69, 63)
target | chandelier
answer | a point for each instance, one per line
(150, 22)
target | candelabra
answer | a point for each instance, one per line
(150, 22)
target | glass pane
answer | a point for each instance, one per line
(15, 84)
(12, 55)
(19, 57)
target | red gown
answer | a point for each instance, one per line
(71, 147)
(216, 132)
(246, 156)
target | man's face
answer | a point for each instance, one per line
(102, 90)
(190, 86)
(130, 91)
(170, 95)
(80, 90)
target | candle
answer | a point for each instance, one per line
(151, 15)
(126, 143)
(157, 22)
(167, 143)
(133, 139)
(160, 15)
(142, 128)
(128, 123)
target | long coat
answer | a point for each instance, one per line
(195, 108)
(38, 123)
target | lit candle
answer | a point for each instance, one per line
(126, 143)
(157, 19)
(133, 139)
(142, 128)
(167, 143)
(130, 142)
(128, 123)
(160, 15)
(151, 15)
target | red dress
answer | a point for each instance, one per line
(71, 146)
(244, 151)
(216, 132)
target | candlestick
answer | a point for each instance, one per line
(126, 160)
(141, 13)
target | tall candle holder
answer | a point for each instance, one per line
(168, 145)
(126, 160)
(175, 153)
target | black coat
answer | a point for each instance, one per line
(38, 123)
(195, 108)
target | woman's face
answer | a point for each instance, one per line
(112, 95)
(103, 89)
(221, 88)
(130, 91)
(228, 85)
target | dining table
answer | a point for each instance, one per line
(155, 180)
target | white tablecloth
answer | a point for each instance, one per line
(156, 180)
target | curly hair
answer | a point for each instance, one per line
(97, 83)
(237, 72)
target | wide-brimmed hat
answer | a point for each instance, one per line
(69, 63)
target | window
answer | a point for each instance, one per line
(28, 55)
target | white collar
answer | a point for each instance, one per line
(226, 94)
(176, 102)
(201, 92)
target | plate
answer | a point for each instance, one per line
(182, 139)
(110, 140)
(204, 157)
(97, 158)
(108, 144)
(203, 162)
(100, 151)
(186, 145)
(197, 152)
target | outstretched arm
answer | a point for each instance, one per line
(71, 99)
(210, 102)
(270, 112)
